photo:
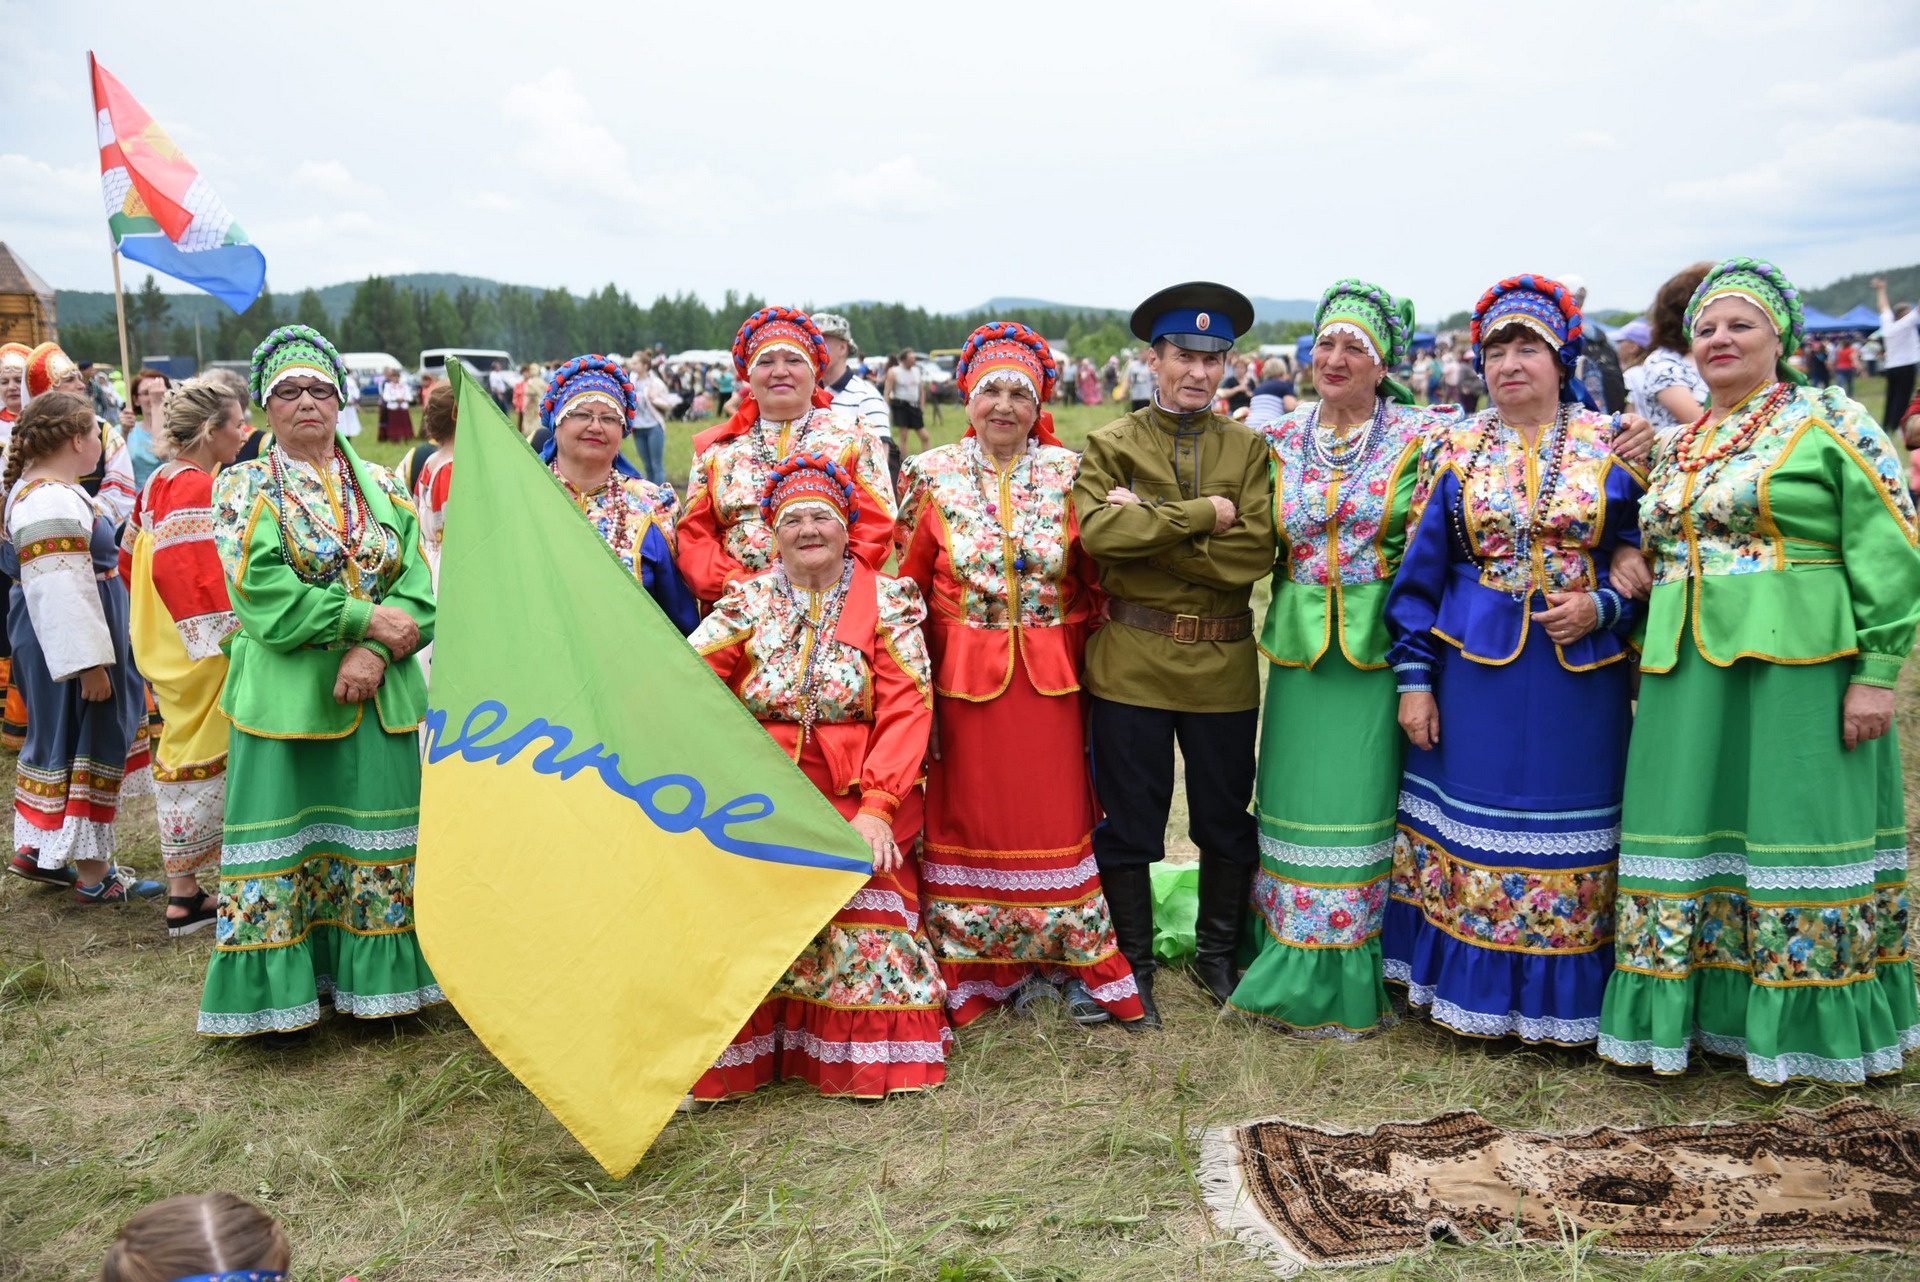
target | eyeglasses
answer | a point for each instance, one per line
(583, 420)
(320, 392)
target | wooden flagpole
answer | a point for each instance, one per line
(120, 307)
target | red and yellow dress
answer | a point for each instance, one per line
(1011, 884)
(862, 1011)
(722, 534)
(180, 614)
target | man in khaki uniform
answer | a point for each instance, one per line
(1175, 503)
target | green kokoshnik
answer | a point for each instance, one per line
(1387, 320)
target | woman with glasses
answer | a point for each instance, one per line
(333, 596)
(588, 411)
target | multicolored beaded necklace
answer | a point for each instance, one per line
(1011, 536)
(345, 536)
(1524, 532)
(1359, 449)
(1751, 425)
(617, 540)
(763, 451)
(833, 599)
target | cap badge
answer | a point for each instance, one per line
(1201, 322)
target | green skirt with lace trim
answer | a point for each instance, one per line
(1763, 880)
(316, 883)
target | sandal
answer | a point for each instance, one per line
(201, 910)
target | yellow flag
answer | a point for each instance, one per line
(616, 862)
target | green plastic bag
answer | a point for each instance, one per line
(1176, 907)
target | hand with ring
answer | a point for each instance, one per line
(878, 834)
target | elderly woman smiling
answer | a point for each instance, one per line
(1508, 637)
(829, 657)
(779, 353)
(590, 409)
(332, 594)
(1763, 864)
(988, 531)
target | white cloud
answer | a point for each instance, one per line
(331, 180)
(889, 189)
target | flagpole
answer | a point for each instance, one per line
(120, 307)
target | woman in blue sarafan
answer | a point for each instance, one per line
(589, 409)
(1509, 645)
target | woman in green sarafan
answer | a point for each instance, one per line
(322, 556)
(1330, 744)
(1763, 852)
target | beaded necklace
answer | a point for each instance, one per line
(353, 504)
(763, 450)
(1012, 538)
(823, 628)
(617, 540)
(1360, 449)
(1524, 532)
(1751, 425)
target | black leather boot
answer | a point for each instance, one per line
(1129, 893)
(1225, 892)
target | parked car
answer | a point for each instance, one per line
(369, 370)
(478, 361)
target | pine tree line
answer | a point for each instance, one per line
(552, 324)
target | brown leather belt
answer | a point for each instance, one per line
(1183, 628)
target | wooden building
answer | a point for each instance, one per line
(27, 312)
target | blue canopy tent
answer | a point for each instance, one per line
(1303, 349)
(1422, 341)
(1861, 320)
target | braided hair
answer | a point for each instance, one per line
(197, 1234)
(50, 420)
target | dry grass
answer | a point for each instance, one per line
(404, 1153)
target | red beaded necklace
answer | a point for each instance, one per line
(1750, 428)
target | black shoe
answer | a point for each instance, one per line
(1129, 894)
(1226, 890)
(1082, 1006)
(288, 1041)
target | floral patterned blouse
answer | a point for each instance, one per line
(722, 537)
(1340, 536)
(302, 598)
(1497, 523)
(971, 535)
(1798, 549)
(872, 692)
(644, 541)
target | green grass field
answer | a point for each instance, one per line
(402, 1152)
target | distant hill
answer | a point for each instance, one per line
(1903, 286)
(1264, 309)
(90, 307)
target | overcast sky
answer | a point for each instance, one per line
(942, 154)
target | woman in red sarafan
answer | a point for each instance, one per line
(987, 530)
(829, 656)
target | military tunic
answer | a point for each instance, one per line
(1162, 553)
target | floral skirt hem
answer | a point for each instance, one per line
(863, 1054)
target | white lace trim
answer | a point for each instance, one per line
(288, 1019)
(1017, 879)
(1773, 1070)
(884, 901)
(74, 839)
(960, 994)
(1118, 991)
(203, 633)
(347, 838)
(1530, 1028)
(285, 1020)
(1589, 841)
(1733, 863)
(741, 1054)
(1326, 856)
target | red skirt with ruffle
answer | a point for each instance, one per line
(1011, 888)
(861, 1011)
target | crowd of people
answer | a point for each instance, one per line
(985, 654)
